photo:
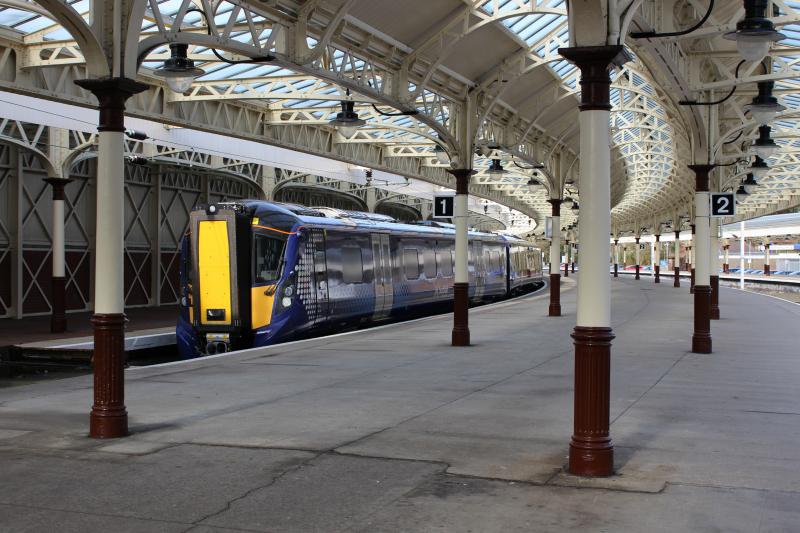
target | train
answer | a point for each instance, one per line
(255, 273)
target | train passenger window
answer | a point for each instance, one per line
(411, 263)
(268, 254)
(352, 265)
(429, 258)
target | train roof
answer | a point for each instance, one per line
(326, 217)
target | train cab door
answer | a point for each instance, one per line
(382, 259)
(320, 276)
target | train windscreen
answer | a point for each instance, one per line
(268, 256)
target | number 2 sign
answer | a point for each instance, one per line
(723, 204)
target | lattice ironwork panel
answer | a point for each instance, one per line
(180, 192)
(6, 223)
(36, 276)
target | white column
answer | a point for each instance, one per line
(555, 247)
(741, 255)
(461, 218)
(714, 264)
(656, 254)
(677, 251)
(766, 253)
(109, 276)
(653, 256)
(58, 239)
(727, 259)
(594, 224)
(638, 254)
(700, 257)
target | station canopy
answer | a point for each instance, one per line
(420, 72)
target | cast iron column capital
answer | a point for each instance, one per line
(462, 176)
(58, 185)
(701, 173)
(594, 63)
(111, 94)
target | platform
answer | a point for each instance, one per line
(392, 429)
(36, 329)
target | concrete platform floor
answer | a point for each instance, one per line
(392, 429)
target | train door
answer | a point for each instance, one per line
(384, 291)
(320, 275)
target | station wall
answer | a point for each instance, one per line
(158, 199)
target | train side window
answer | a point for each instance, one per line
(411, 263)
(352, 265)
(268, 254)
(429, 260)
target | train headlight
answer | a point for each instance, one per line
(286, 301)
(288, 291)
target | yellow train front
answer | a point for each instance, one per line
(254, 273)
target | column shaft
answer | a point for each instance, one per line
(657, 260)
(637, 254)
(701, 339)
(555, 260)
(591, 450)
(109, 417)
(693, 259)
(677, 266)
(58, 316)
(714, 267)
(460, 335)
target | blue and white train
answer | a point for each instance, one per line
(255, 273)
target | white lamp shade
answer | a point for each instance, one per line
(347, 131)
(764, 152)
(759, 173)
(180, 84)
(763, 117)
(753, 47)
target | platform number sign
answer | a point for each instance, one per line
(723, 204)
(444, 206)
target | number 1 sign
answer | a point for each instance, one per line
(443, 206)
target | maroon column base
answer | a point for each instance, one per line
(591, 452)
(657, 273)
(766, 270)
(573, 267)
(109, 418)
(566, 270)
(714, 297)
(58, 318)
(616, 270)
(691, 283)
(637, 272)
(460, 314)
(726, 268)
(677, 281)
(555, 295)
(701, 339)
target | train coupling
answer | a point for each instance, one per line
(217, 343)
